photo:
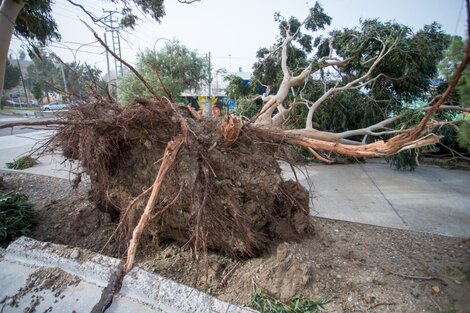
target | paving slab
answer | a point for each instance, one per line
(144, 292)
(43, 277)
(429, 199)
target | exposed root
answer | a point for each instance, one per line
(169, 158)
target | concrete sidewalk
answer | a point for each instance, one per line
(429, 199)
(16, 146)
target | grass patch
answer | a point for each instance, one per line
(265, 302)
(22, 163)
(17, 217)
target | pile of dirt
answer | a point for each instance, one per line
(230, 198)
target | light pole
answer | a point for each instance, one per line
(74, 54)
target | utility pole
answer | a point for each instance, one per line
(65, 80)
(210, 77)
(111, 28)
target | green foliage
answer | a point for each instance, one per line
(452, 57)
(179, 68)
(267, 302)
(22, 163)
(43, 75)
(35, 22)
(12, 76)
(80, 79)
(236, 89)
(36, 90)
(17, 217)
(412, 62)
(463, 136)
(406, 160)
(248, 108)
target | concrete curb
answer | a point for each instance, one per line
(44, 277)
(92, 267)
(145, 292)
(36, 114)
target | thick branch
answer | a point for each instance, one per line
(50, 123)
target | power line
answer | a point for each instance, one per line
(458, 18)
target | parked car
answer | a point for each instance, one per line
(55, 106)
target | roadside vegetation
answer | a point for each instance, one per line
(17, 217)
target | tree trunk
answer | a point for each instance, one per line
(9, 10)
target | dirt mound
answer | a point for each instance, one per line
(231, 199)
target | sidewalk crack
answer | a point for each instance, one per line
(385, 197)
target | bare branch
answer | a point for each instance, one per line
(96, 20)
(139, 76)
(356, 83)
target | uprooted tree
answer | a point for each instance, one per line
(167, 173)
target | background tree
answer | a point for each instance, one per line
(12, 76)
(82, 79)
(178, 67)
(236, 87)
(44, 76)
(33, 21)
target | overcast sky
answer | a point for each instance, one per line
(233, 30)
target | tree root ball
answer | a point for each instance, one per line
(231, 199)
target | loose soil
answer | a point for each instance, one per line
(360, 268)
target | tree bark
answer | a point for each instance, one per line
(9, 10)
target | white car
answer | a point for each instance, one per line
(55, 106)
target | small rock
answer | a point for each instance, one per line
(9, 301)
(369, 280)
(282, 251)
(75, 254)
(435, 289)
(338, 276)
(458, 282)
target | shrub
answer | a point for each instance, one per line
(17, 217)
(265, 301)
(22, 163)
